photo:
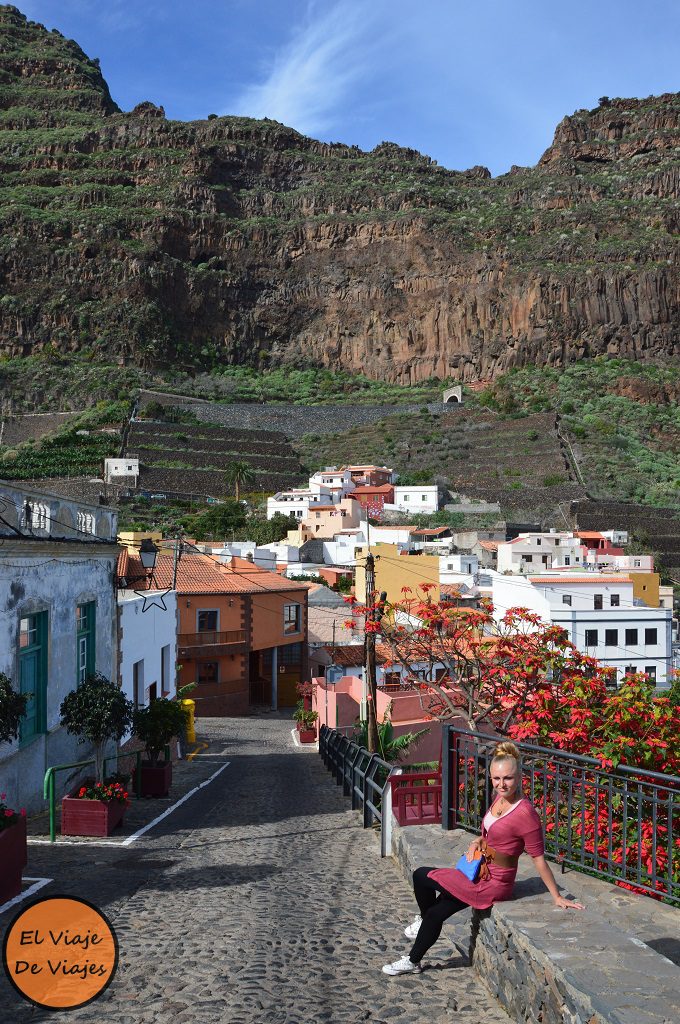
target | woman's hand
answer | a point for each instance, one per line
(564, 904)
(473, 848)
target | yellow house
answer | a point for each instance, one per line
(646, 587)
(394, 571)
(131, 539)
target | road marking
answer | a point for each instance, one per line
(140, 832)
(201, 746)
(38, 883)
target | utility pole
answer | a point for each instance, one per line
(369, 658)
(175, 562)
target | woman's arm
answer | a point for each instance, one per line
(548, 879)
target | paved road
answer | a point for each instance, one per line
(260, 900)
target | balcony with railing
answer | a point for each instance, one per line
(211, 642)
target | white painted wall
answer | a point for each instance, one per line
(420, 498)
(143, 636)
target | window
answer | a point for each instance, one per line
(165, 671)
(406, 497)
(650, 637)
(291, 618)
(650, 671)
(207, 672)
(544, 559)
(424, 497)
(631, 637)
(528, 558)
(33, 674)
(597, 602)
(615, 600)
(538, 542)
(206, 620)
(566, 599)
(86, 522)
(611, 637)
(85, 641)
(630, 670)
(636, 563)
(138, 684)
(567, 560)
(591, 638)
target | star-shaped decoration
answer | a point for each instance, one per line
(154, 599)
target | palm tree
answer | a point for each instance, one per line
(238, 474)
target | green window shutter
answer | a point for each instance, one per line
(33, 674)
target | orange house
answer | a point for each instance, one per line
(242, 632)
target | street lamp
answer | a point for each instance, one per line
(148, 553)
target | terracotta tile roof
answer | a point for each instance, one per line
(450, 589)
(432, 532)
(410, 529)
(199, 574)
(590, 534)
(489, 545)
(381, 489)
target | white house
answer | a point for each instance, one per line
(419, 498)
(601, 616)
(117, 470)
(338, 481)
(463, 562)
(535, 552)
(57, 625)
(147, 638)
(297, 501)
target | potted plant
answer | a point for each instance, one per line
(306, 725)
(13, 847)
(156, 725)
(98, 712)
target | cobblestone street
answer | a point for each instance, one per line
(260, 900)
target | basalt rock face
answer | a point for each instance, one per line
(235, 240)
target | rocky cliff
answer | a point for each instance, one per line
(235, 240)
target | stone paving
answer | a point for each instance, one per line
(260, 900)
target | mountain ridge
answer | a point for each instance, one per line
(232, 240)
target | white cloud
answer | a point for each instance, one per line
(309, 78)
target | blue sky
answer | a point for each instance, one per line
(466, 83)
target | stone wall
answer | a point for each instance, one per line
(616, 962)
(292, 420)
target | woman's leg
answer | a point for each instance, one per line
(433, 919)
(424, 889)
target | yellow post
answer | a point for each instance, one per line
(189, 708)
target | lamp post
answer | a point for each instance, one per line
(148, 553)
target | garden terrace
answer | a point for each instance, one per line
(203, 481)
(34, 427)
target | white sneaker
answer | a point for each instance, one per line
(412, 930)
(403, 966)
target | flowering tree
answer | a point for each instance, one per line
(477, 669)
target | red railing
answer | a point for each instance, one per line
(209, 638)
(417, 798)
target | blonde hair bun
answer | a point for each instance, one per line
(505, 749)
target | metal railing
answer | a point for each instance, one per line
(622, 825)
(417, 798)
(49, 788)
(363, 776)
(211, 638)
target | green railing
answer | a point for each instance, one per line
(49, 787)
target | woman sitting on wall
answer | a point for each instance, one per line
(510, 826)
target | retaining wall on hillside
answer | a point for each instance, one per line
(292, 420)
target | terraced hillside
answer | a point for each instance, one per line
(520, 463)
(656, 529)
(187, 458)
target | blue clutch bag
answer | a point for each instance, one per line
(469, 868)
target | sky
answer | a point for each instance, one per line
(464, 82)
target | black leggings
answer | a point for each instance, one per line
(436, 905)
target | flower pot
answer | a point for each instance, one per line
(90, 817)
(13, 857)
(156, 780)
(307, 735)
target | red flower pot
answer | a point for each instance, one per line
(90, 817)
(156, 781)
(307, 735)
(13, 858)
